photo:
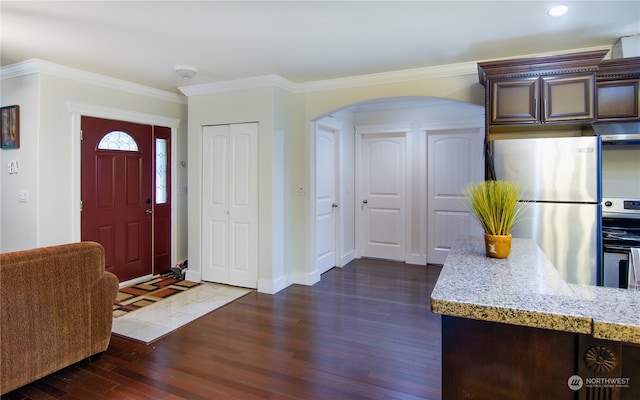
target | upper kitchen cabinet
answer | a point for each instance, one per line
(554, 89)
(514, 100)
(546, 99)
(617, 93)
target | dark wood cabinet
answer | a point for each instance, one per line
(618, 100)
(617, 90)
(568, 98)
(514, 101)
(490, 360)
(540, 90)
(545, 99)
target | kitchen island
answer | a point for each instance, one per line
(513, 328)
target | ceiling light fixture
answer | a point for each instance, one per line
(558, 11)
(185, 71)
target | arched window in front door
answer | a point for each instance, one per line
(122, 141)
(118, 140)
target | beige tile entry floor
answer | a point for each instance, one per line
(156, 320)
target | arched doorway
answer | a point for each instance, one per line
(415, 119)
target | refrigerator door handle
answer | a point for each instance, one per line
(490, 169)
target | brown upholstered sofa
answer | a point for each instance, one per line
(55, 310)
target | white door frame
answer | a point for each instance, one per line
(77, 111)
(384, 129)
(331, 125)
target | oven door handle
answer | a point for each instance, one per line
(617, 249)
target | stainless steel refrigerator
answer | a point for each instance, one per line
(560, 181)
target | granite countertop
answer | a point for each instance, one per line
(526, 289)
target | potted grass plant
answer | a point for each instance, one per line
(495, 206)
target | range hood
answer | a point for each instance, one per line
(628, 46)
(618, 132)
(621, 132)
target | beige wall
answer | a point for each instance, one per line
(250, 105)
(285, 124)
(465, 88)
(19, 221)
(621, 171)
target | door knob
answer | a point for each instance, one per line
(364, 202)
(149, 212)
(334, 205)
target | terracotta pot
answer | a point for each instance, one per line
(497, 246)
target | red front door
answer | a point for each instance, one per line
(117, 196)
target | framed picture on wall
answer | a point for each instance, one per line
(10, 138)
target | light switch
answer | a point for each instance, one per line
(23, 196)
(13, 167)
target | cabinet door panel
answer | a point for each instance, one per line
(514, 101)
(618, 100)
(568, 98)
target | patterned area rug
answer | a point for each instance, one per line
(163, 317)
(134, 297)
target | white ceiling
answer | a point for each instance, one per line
(303, 41)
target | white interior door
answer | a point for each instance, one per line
(455, 159)
(230, 204)
(326, 198)
(382, 196)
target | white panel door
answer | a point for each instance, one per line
(215, 203)
(455, 159)
(230, 204)
(326, 201)
(382, 196)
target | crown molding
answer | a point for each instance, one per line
(37, 66)
(407, 75)
(469, 68)
(272, 80)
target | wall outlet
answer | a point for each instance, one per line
(23, 196)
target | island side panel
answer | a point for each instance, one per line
(630, 368)
(487, 360)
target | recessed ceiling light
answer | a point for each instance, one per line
(558, 11)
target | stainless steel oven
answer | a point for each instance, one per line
(620, 232)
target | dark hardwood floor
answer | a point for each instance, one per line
(363, 332)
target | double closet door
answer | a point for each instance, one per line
(230, 204)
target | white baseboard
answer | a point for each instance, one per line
(415, 259)
(273, 286)
(135, 281)
(348, 257)
(305, 278)
(193, 276)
